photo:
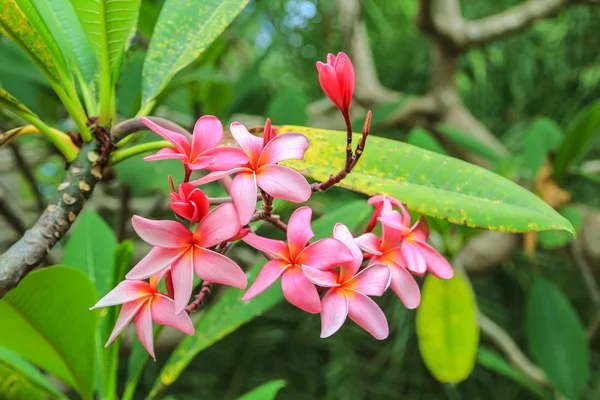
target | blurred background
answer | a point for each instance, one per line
(506, 103)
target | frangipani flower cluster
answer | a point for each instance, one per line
(334, 277)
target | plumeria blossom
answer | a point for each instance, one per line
(377, 201)
(263, 171)
(337, 80)
(349, 291)
(143, 303)
(189, 203)
(202, 152)
(293, 261)
(187, 251)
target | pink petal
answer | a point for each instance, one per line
(251, 144)
(299, 230)
(299, 291)
(243, 193)
(125, 292)
(325, 278)
(217, 226)
(266, 277)
(436, 263)
(165, 233)
(349, 80)
(391, 236)
(329, 84)
(208, 133)
(201, 163)
(143, 327)
(128, 311)
(342, 233)
(334, 310)
(213, 176)
(367, 314)
(420, 231)
(182, 274)
(325, 253)
(288, 146)
(274, 248)
(415, 260)
(283, 183)
(405, 287)
(226, 158)
(166, 154)
(369, 243)
(216, 268)
(184, 210)
(371, 281)
(163, 313)
(155, 261)
(180, 142)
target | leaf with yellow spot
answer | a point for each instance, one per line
(8, 101)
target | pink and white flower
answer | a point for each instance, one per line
(189, 203)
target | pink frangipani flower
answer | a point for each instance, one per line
(337, 80)
(263, 171)
(203, 151)
(349, 292)
(189, 203)
(292, 261)
(187, 252)
(143, 303)
(377, 201)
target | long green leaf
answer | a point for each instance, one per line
(429, 183)
(557, 339)
(15, 386)
(230, 312)
(447, 328)
(8, 101)
(46, 320)
(183, 31)
(542, 136)
(267, 391)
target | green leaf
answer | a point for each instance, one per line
(46, 320)
(469, 143)
(183, 31)
(493, 361)
(230, 312)
(91, 249)
(580, 134)
(145, 178)
(21, 380)
(107, 24)
(421, 138)
(447, 328)
(8, 101)
(288, 107)
(429, 183)
(267, 391)
(556, 239)
(62, 22)
(541, 136)
(557, 339)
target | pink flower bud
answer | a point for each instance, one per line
(190, 203)
(337, 80)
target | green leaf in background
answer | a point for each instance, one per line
(62, 22)
(469, 143)
(288, 107)
(447, 328)
(580, 134)
(145, 177)
(494, 362)
(230, 312)
(8, 101)
(421, 138)
(267, 391)
(557, 339)
(541, 137)
(91, 249)
(46, 320)
(429, 183)
(21, 380)
(183, 31)
(556, 239)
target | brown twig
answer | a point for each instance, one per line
(28, 175)
(124, 128)
(200, 297)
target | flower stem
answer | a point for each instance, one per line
(124, 154)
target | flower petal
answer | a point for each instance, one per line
(200, 163)
(266, 277)
(243, 193)
(420, 230)
(369, 243)
(325, 278)
(166, 154)
(217, 226)
(215, 175)
(415, 260)
(216, 268)
(143, 327)
(287, 146)
(182, 275)
(274, 248)
(299, 291)
(251, 144)
(371, 281)
(367, 314)
(329, 84)
(180, 142)
(299, 231)
(436, 263)
(405, 287)
(334, 310)
(325, 253)
(162, 233)
(208, 133)
(283, 183)
(163, 313)
(343, 234)
(128, 311)
(155, 261)
(226, 158)
(125, 292)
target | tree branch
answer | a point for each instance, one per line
(124, 128)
